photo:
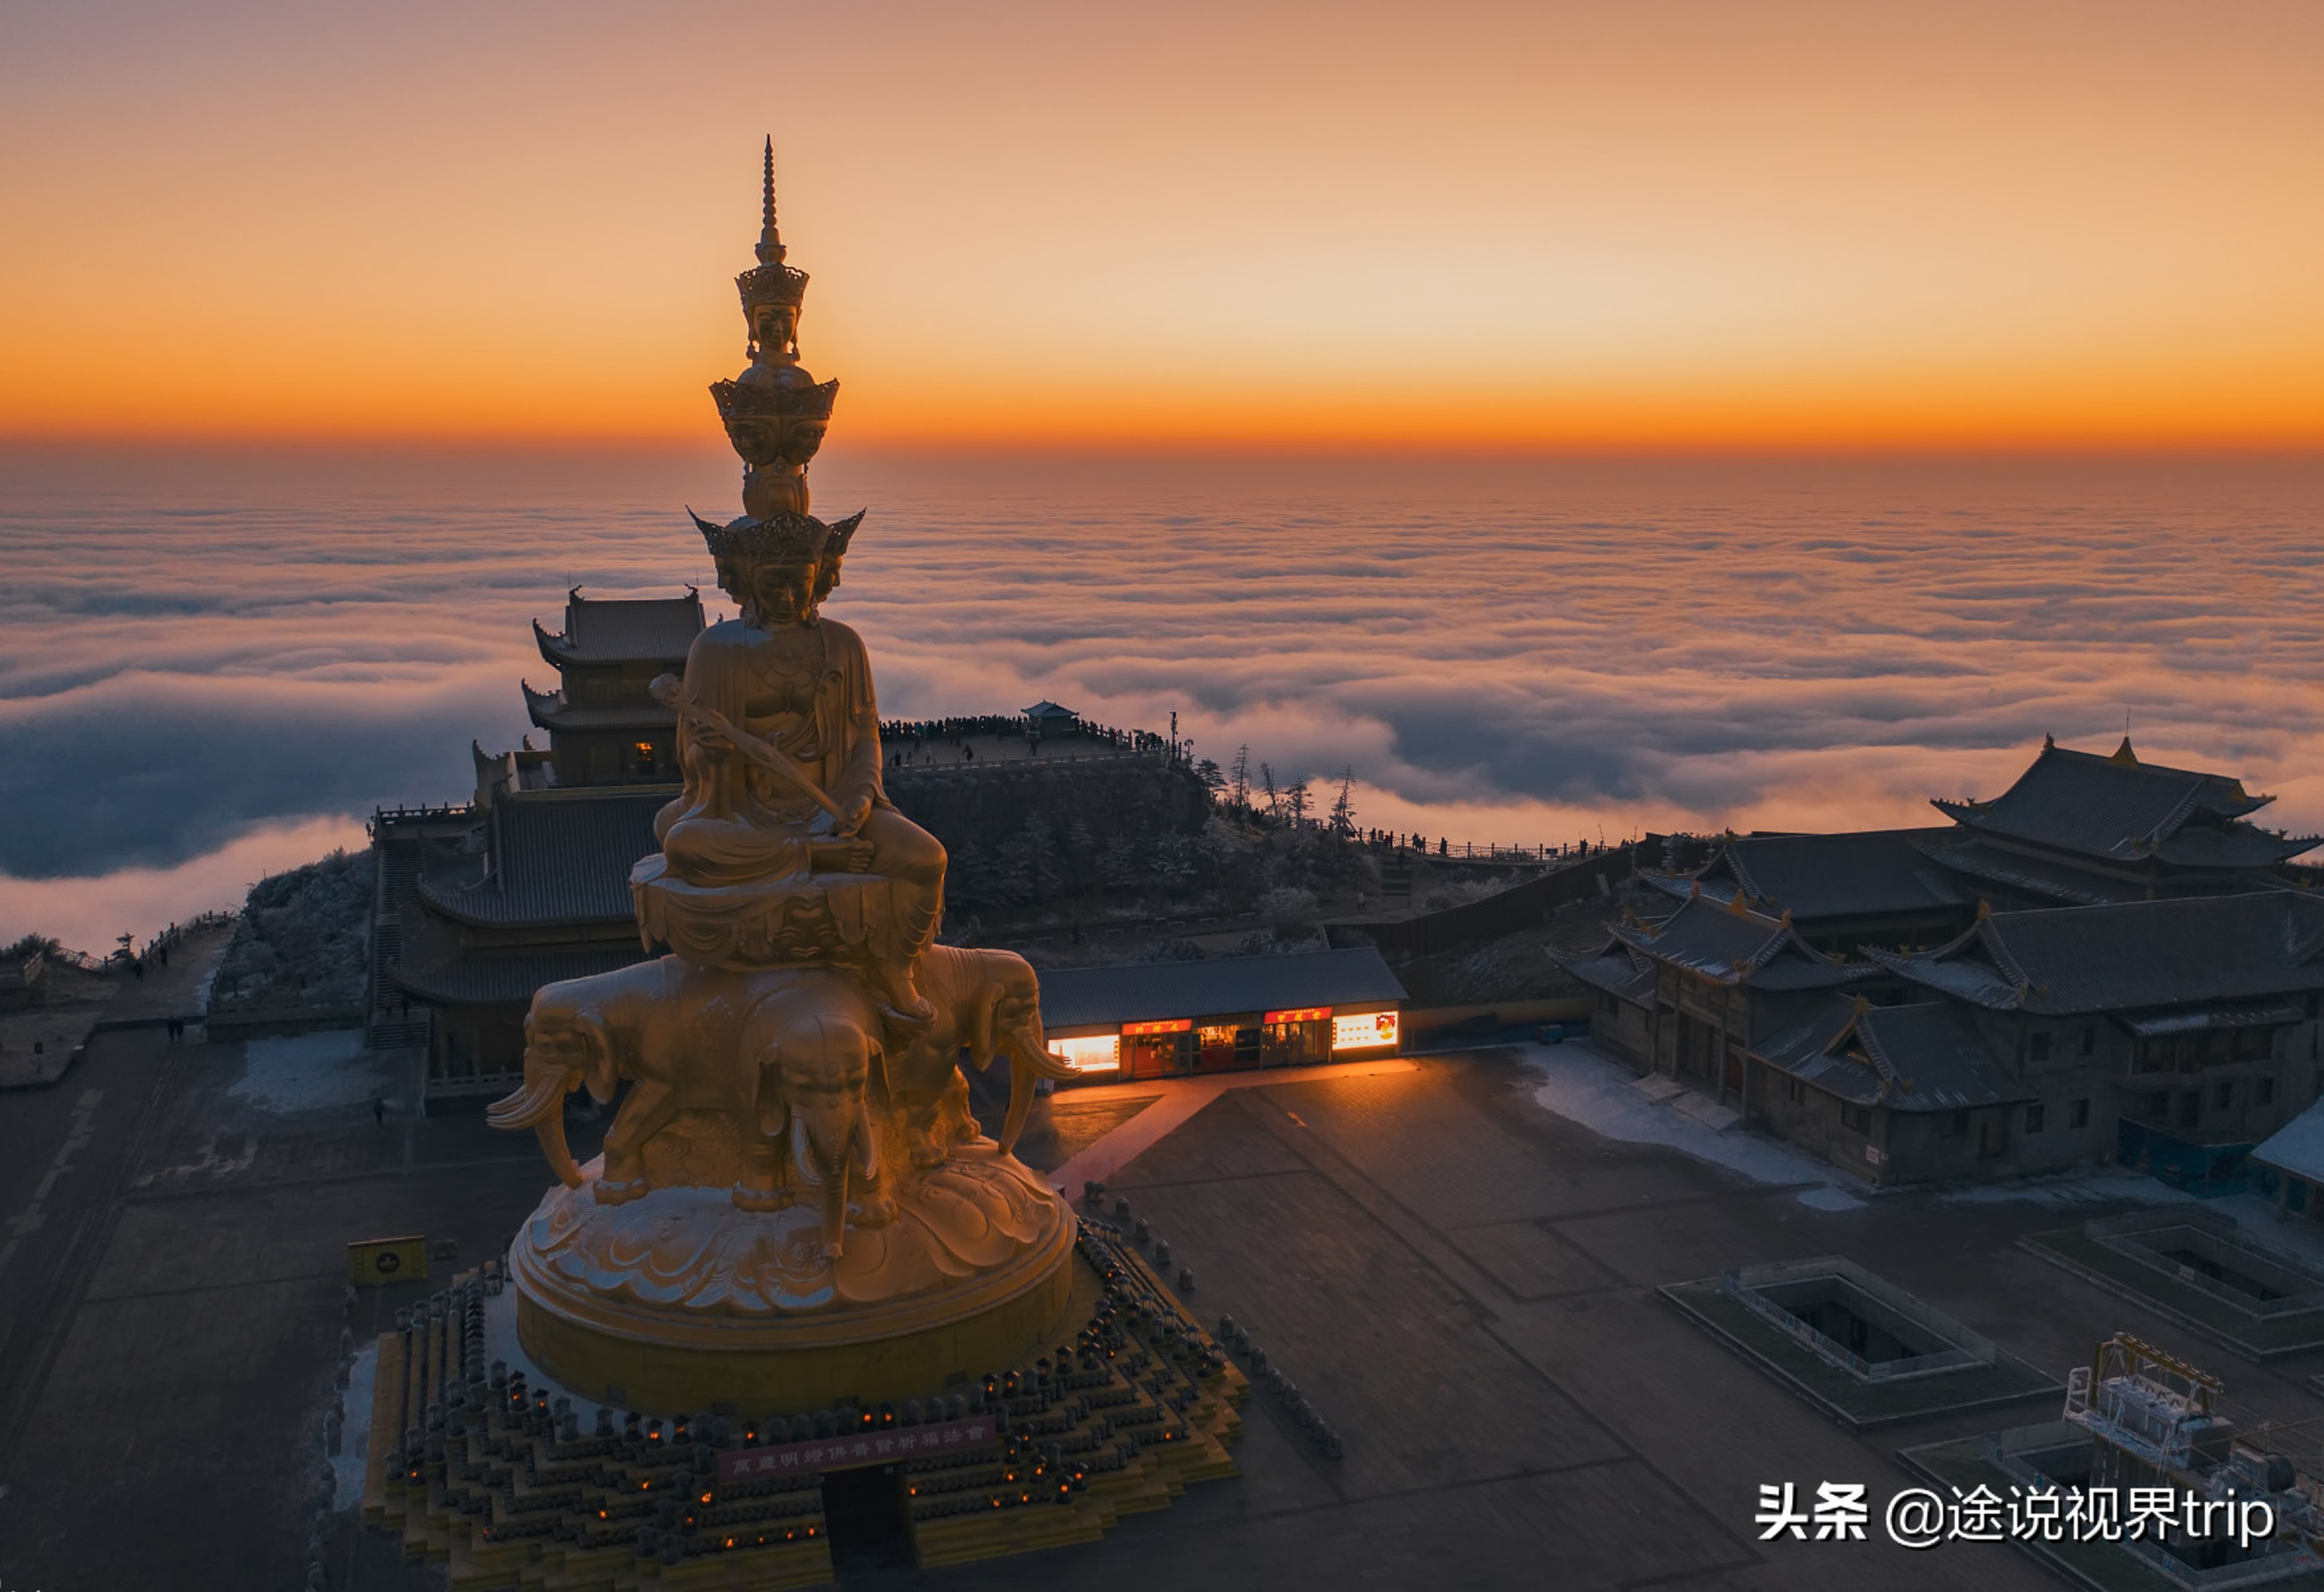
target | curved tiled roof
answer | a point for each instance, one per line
(1925, 1057)
(1733, 946)
(551, 710)
(2130, 956)
(558, 857)
(623, 629)
(2123, 810)
(1857, 874)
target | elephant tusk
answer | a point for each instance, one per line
(542, 1094)
(1039, 1059)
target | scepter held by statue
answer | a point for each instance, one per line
(667, 690)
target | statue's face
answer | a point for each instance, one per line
(784, 594)
(827, 576)
(768, 441)
(775, 325)
(796, 440)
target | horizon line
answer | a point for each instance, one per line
(1152, 448)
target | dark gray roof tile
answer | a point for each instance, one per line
(2119, 808)
(2132, 956)
(557, 857)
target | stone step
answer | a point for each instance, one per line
(1708, 1111)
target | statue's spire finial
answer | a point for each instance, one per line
(770, 243)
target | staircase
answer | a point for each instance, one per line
(1396, 876)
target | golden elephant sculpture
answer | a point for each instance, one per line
(987, 1002)
(789, 1055)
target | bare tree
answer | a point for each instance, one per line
(1241, 771)
(1343, 810)
(1294, 801)
(1273, 797)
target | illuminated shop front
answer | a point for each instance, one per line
(1232, 1014)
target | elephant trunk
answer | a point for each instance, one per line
(828, 1175)
(1028, 1061)
(540, 1105)
(980, 1008)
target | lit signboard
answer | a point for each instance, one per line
(1175, 1026)
(1304, 1014)
(1364, 1030)
(1099, 1054)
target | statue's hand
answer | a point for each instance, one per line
(854, 811)
(839, 856)
(713, 744)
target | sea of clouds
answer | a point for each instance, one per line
(212, 666)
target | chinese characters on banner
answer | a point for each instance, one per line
(880, 1447)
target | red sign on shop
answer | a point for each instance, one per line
(882, 1446)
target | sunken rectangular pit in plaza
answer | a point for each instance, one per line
(1859, 1348)
(2199, 1269)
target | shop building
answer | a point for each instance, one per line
(1229, 1014)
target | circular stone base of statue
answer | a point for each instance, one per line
(679, 1300)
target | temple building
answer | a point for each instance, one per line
(2079, 830)
(2108, 963)
(605, 728)
(476, 905)
(490, 903)
(2075, 830)
(1840, 890)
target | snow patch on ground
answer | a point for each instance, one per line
(309, 1072)
(1582, 1086)
(347, 1466)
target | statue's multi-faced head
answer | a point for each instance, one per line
(779, 569)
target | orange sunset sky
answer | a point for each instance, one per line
(1849, 223)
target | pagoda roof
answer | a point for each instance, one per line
(551, 710)
(2129, 957)
(1923, 1057)
(1857, 874)
(1732, 945)
(558, 857)
(623, 629)
(2052, 879)
(2122, 810)
(1616, 968)
(1045, 709)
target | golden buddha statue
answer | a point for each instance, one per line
(800, 685)
(793, 1195)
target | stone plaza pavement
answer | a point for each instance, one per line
(1461, 1282)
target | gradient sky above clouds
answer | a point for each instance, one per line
(1804, 221)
